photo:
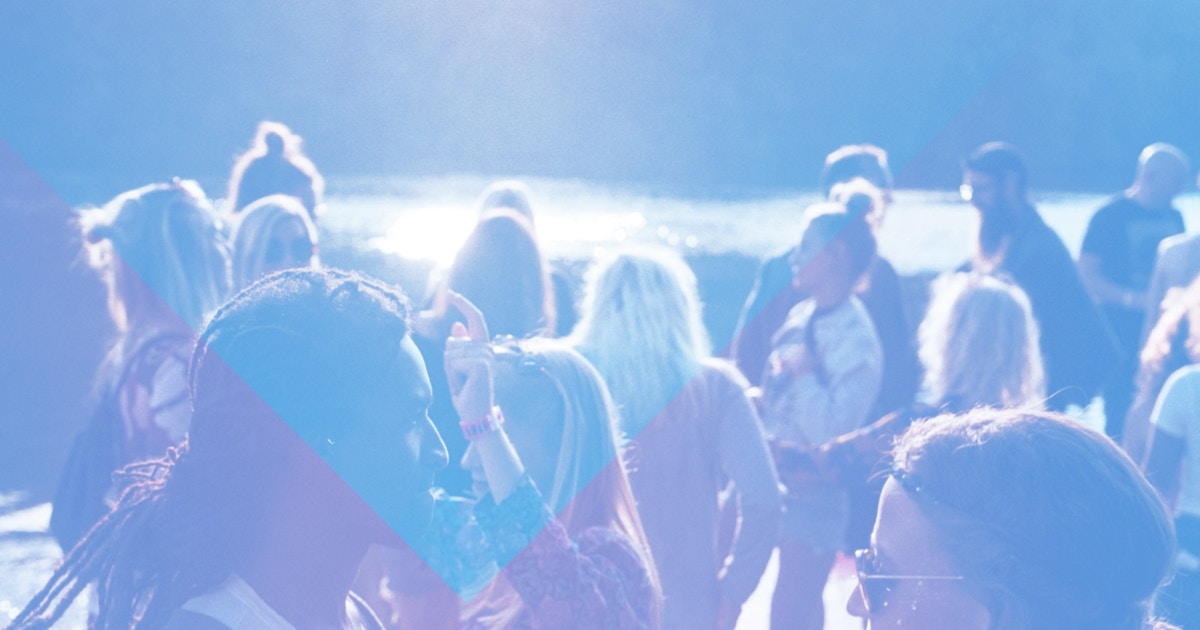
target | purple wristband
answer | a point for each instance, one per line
(478, 428)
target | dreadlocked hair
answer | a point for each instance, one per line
(269, 370)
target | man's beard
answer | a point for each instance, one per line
(996, 226)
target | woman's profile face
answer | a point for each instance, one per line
(815, 260)
(924, 589)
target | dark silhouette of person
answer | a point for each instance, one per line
(1013, 241)
(1117, 260)
(275, 165)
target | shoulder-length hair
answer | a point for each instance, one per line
(979, 344)
(590, 486)
(159, 242)
(254, 229)
(642, 328)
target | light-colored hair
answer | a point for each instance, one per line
(1173, 342)
(1051, 524)
(641, 327)
(590, 486)
(979, 344)
(590, 437)
(170, 243)
(255, 227)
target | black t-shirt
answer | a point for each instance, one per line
(1125, 236)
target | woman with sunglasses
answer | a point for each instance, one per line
(554, 539)
(970, 316)
(272, 234)
(1013, 520)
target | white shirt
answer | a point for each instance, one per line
(236, 605)
(814, 394)
(1177, 264)
(1175, 414)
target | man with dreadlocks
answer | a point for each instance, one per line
(309, 441)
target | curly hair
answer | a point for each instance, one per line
(295, 345)
(973, 316)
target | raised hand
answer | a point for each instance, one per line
(470, 362)
(471, 369)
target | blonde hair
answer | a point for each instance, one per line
(641, 327)
(590, 486)
(256, 224)
(160, 242)
(979, 343)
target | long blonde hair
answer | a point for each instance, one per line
(641, 327)
(159, 244)
(979, 344)
(256, 225)
(590, 486)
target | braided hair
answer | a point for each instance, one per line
(295, 345)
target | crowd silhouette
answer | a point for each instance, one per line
(276, 444)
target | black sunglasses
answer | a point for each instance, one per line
(874, 586)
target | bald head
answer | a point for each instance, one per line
(1161, 175)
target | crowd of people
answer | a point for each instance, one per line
(278, 445)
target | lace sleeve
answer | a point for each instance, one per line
(601, 582)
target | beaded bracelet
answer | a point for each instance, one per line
(483, 426)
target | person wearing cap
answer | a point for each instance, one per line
(1014, 242)
(1117, 259)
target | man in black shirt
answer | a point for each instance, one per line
(1117, 260)
(1015, 243)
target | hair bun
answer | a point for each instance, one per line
(274, 142)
